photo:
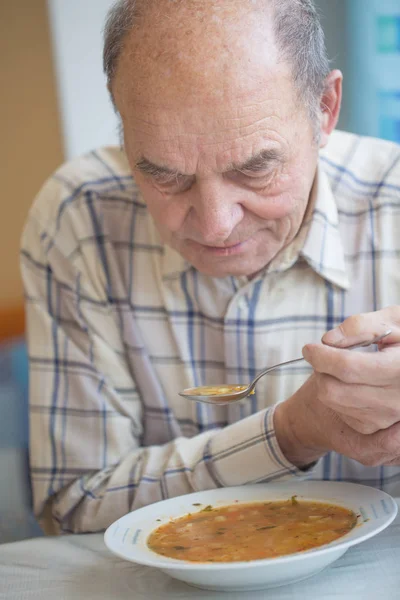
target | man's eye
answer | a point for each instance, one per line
(173, 183)
(257, 175)
(253, 178)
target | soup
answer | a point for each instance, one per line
(217, 390)
(243, 532)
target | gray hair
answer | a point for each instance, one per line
(299, 36)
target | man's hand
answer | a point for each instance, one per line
(351, 404)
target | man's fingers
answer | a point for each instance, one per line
(380, 448)
(364, 327)
(352, 366)
(364, 408)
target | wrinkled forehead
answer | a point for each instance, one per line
(183, 51)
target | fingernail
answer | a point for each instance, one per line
(306, 353)
(333, 337)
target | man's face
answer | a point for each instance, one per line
(221, 149)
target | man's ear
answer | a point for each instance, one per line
(330, 105)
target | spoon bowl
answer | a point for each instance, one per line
(228, 394)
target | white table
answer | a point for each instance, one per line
(81, 568)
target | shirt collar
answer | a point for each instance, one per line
(323, 247)
(318, 241)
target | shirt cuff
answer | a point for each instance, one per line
(248, 452)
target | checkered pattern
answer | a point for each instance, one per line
(119, 323)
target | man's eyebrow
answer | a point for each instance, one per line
(256, 163)
(148, 168)
(260, 161)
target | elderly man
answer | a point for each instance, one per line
(233, 231)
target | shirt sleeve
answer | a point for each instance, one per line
(88, 467)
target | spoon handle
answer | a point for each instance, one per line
(288, 362)
(375, 340)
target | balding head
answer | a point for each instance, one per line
(292, 26)
(201, 51)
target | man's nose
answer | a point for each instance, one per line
(216, 211)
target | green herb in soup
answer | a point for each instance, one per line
(243, 532)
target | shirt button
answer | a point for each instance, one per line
(242, 303)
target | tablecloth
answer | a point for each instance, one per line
(79, 567)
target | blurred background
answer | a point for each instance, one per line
(54, 106)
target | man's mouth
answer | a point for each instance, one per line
(225, 250)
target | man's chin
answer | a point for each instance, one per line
(240, 260)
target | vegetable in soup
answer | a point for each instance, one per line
(243, 532)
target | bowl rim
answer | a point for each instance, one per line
(152, 559)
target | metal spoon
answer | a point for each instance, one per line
(235, 395)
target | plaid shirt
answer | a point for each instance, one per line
(118, 323)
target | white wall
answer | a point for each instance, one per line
(88, 119)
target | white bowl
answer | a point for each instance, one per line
(127, 537)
